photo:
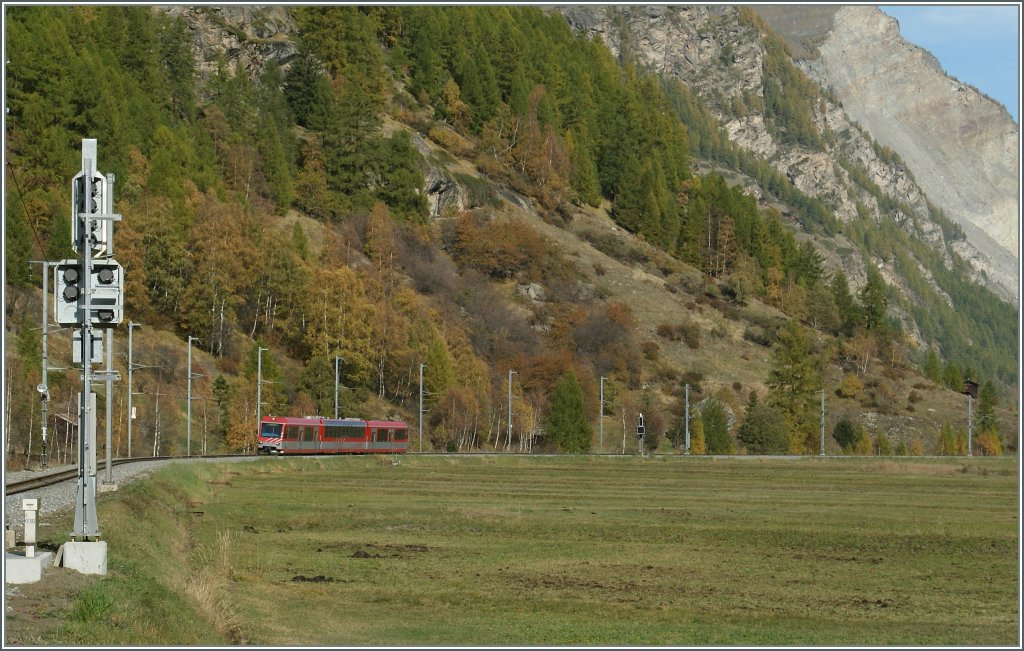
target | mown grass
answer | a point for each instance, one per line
(560, 551)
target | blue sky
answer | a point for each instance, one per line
(977, 44)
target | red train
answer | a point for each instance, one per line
(315, 435)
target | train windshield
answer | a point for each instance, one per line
(271, 430)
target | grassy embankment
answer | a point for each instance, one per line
(566, 551)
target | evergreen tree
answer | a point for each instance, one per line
(308, 92)
(988, 400)
(763, 430)
(567, 423)
(844, 302)
(932, 367)
(874, 301)
(845, 434)
(793, 381)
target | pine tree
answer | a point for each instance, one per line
(874, 301)
(932, 367)
(793, 381)
(567, 423)
(845, 434)
(844, 301)
(988, 399)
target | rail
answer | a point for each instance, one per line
(52, 478)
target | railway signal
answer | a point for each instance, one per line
(106, 288)
(88, 201)
(640, 433)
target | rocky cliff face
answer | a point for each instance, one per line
(246, 38)
(960, 145)
(720, 56)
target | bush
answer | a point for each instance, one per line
(850, 387)
(688, 331)
(650, 350)
(760, 336)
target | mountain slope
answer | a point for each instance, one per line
(479, 191)
(794, 140)
(961, 146)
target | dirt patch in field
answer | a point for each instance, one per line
(319, 578)
(377, 550)
(35, 610)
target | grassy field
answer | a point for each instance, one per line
(554, 551)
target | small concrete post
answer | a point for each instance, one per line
(31, 508)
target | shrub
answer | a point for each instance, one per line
(688, 331)
(914, 397)
(850, 387)
(499, 248)
(650, 350)
(916, 448)
(760, 336)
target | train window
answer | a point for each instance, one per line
(401, 435)
(354, 432)
(271, 429)
(333, 432)
(308, 433)
(291, 433)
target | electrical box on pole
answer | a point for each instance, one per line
(107, 288)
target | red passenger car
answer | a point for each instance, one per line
(315, 435)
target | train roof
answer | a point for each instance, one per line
(294, 420)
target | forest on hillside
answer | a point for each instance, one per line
(207, 170)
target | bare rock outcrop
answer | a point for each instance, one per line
(961, 146)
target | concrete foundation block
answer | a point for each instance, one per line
(106, 488)
(85, 557)
(19, 569)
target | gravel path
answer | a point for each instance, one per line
(62, 496)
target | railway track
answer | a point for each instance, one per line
(52, 478)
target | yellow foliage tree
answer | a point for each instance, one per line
(916, 448)
(697, 443)
(338, 315)
(863, 446)
(989, 445)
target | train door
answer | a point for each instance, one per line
(309, 439)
